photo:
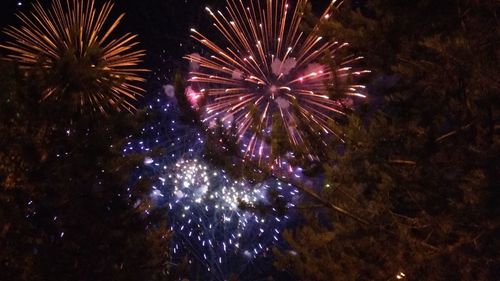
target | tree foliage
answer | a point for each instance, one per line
(68, 207)
(421, 165)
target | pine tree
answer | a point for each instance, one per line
(421, 165)
(68, 207)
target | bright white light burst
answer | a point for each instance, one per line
(206, 216)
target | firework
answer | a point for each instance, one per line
(209, 224)
(194, 97)
(269, 71)
(222, 226)
(70, 46)
(165, 132)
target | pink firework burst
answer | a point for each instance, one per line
(267, 70)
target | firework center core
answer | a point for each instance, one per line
(275, 90)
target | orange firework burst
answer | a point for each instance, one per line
(270, 71)
(69, 47)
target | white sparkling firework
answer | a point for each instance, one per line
(209, 224)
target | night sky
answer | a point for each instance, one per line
(162, 25)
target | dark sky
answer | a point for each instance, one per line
(163, 27)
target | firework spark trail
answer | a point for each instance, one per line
(271, 65)
(211, 230)
(209, 224)
(166, 132)
(80, 32)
